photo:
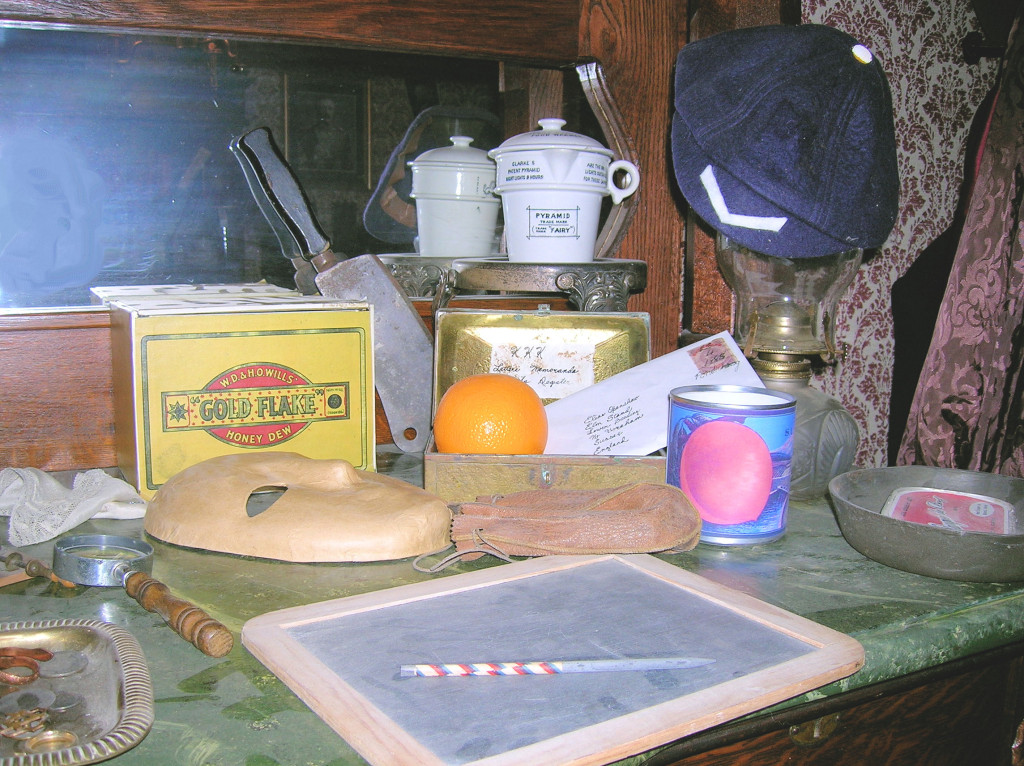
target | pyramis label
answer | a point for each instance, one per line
(255, 405)
(548, 222)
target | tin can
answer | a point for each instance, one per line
(730, 450)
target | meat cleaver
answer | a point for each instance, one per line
(402, 346)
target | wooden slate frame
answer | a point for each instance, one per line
(341, 658)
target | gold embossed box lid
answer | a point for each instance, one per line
(556, 352)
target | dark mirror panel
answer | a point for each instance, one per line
(115, 165)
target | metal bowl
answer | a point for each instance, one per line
(858, 497)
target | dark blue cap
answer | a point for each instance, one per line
(783, 139)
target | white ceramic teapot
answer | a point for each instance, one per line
(551, 182)
(456, 210)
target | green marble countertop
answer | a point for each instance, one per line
(234, 711)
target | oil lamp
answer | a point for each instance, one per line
(785, 322)
(783, 142)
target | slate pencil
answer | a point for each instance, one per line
(541, 668)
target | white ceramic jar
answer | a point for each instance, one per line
(552, 182)
(456, 209)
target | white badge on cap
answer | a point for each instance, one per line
(761, 222)
(862, 54)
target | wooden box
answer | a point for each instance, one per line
(530, 345)
(462, 478)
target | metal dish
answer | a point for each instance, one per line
(858, 497)
(96, 690)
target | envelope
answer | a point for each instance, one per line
(627, 413)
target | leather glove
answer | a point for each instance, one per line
(634, 518)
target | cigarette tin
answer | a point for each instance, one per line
(204, 376)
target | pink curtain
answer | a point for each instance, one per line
(967, 409)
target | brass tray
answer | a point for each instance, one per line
(96, 691)
(557, 352)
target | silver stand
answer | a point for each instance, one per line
(604, 284)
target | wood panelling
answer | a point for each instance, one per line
(636, 43)
(706, 297)
(56, 400)
(957, 718)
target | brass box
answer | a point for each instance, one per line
(557, 352)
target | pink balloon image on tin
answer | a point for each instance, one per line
(725, 469)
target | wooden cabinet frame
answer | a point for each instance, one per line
(622, 50)
(56, 366)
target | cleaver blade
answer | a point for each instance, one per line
(402, 345)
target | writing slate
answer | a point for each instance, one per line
(342, 658)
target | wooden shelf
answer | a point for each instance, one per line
(542, 32)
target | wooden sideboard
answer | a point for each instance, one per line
(941, 684)
(964, 712)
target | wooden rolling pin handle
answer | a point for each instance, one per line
(186, 619)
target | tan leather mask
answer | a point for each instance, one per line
(329, 512)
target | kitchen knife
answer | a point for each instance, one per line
(282, 207)
(402, 345)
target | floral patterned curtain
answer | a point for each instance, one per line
(967, 408)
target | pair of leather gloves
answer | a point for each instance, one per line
(634, 518)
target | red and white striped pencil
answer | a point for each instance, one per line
(542, 668)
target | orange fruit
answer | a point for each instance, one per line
(491, 414)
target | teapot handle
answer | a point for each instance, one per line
(632, 179)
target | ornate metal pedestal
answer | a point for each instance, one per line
(419, 275)
(604, 284)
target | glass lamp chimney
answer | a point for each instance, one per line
(784, 320)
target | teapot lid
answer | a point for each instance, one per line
(459, 153)
(551, 136)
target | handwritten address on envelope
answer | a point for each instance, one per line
(627, 413)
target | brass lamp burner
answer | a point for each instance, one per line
(784, 327)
